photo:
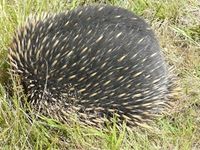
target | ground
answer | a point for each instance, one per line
(177, 26)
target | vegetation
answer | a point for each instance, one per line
(177, 26)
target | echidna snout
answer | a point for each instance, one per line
(94, 61)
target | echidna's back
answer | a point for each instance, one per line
(107, 56)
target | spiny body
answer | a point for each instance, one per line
(94, 61)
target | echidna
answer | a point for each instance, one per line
(94, 61)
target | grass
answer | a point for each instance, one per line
(177, 26)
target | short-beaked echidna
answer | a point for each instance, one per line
(95, 61)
